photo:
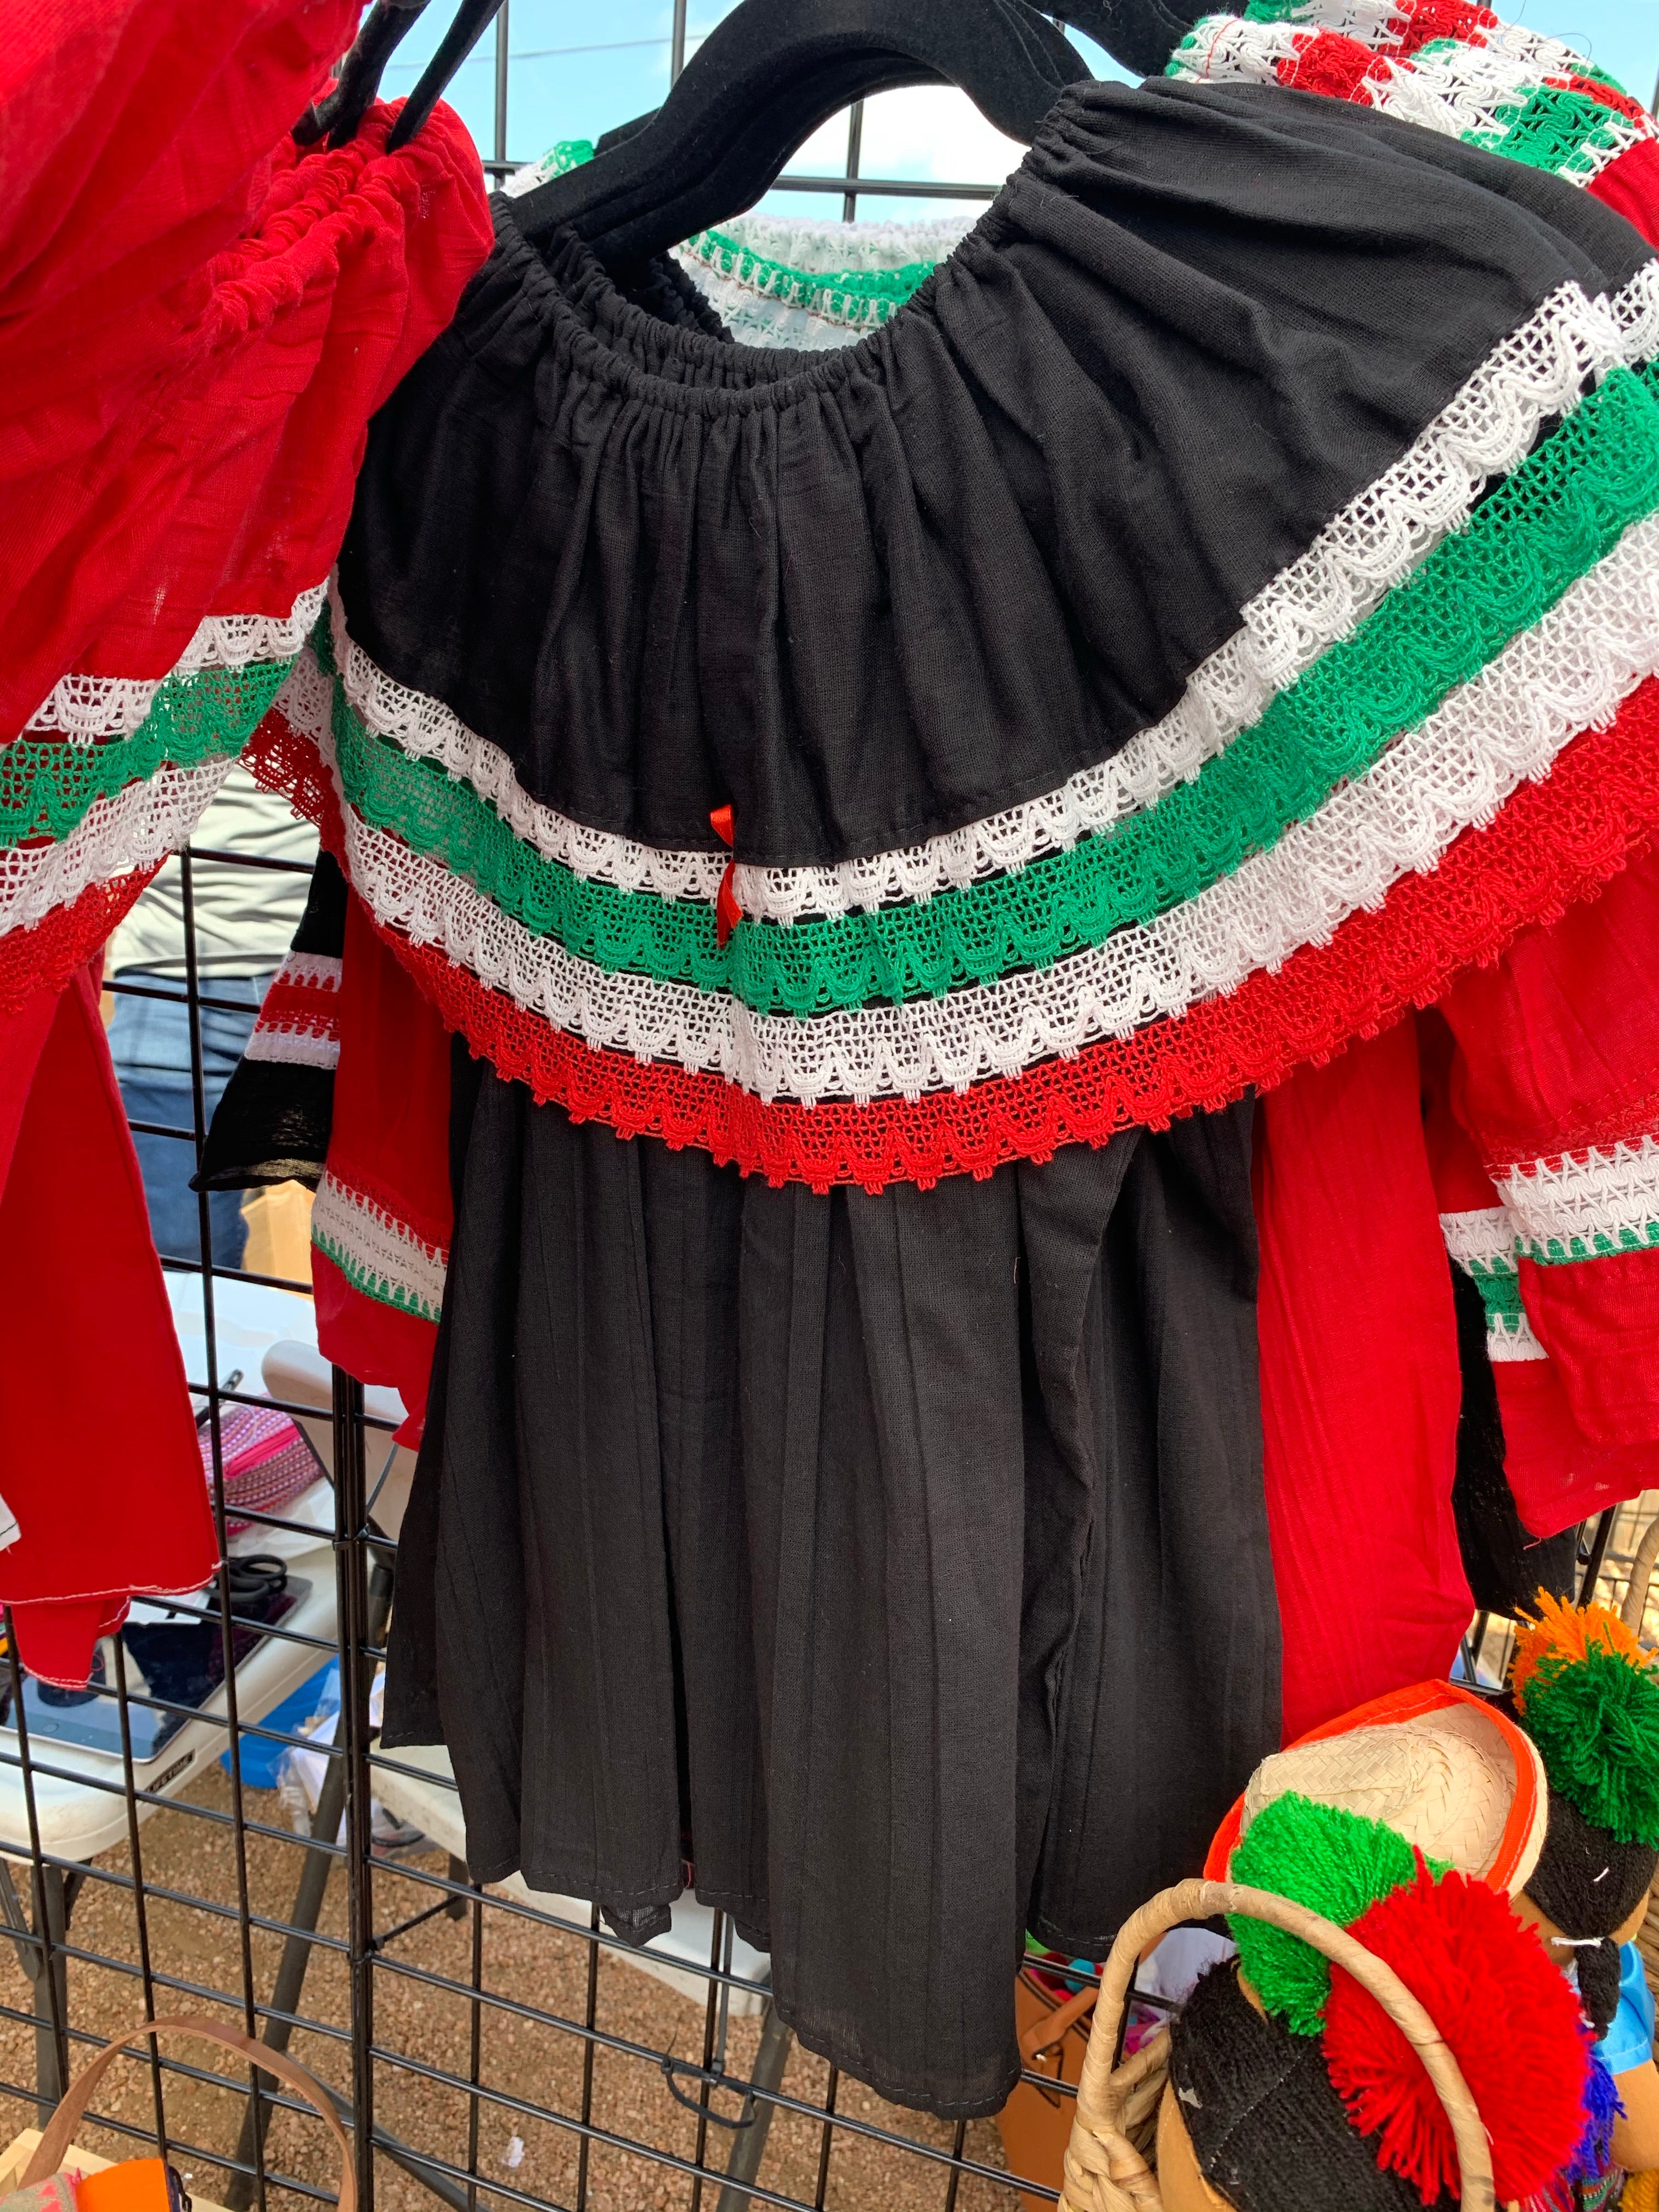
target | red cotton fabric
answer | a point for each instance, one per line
(1360, 1385)
(195, 322)
(98, 1452)
(389, 1145)
(1557, 1056)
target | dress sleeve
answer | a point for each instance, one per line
(1546, 1161)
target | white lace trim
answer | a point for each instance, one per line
(1475, 93)
(756, 320)
(381, 1254)
(292, 1036)
(1507, 1345)
(1541, 370)
(310, 971)
(143, 824)
(1505, 726)
(84, 708)
(426, 727)
(293, 1047)
(1478, 93)
(1582, 1206)
(826, 249)
(1483, 1236)
(306, 696)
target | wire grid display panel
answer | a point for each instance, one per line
(479, 2047)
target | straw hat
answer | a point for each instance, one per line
(1438, 1764)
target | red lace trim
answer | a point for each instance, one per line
(44, 957)
(1553, 844)
(301, 1009)
(1337, 66)
(1426, 20)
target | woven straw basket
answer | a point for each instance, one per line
(1108, 2161)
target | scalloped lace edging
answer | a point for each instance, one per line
(1556, 843)
(84, 708)
(139, 828)
(44, 957)
(1506, 726)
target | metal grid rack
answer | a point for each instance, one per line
(440, 2015)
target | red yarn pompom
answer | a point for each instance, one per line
(1512, 2023)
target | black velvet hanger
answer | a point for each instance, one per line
(1142, 34)
(765, 80)
(381, 33)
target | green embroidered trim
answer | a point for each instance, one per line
(47, 785)
(1556, 130)
(840, 295)
(372, 1284)
(1547, 524)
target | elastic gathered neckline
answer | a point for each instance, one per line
(781, 376)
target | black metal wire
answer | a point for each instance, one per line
(140, 1901)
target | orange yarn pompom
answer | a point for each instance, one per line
(1568, 1631)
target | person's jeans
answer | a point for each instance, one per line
(149, 1039)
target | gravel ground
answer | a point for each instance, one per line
(523, 1961)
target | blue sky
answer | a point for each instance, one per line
(578, 68)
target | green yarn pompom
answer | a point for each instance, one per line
(1336, 1864)
(1595, 1722)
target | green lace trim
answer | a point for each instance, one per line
(371, 1283)
(840, 295)
(1558, 1252)
(1555, 129)
(47, 785)
(1581, 67)
(1500, 1295)
(1547, 526)
(624, 933)
(559, 159)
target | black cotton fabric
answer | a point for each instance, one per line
(894, 1570)
(1269, 2130)
(869, 596)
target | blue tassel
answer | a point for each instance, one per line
(1601, 2108)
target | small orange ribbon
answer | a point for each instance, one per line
(727, 913)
